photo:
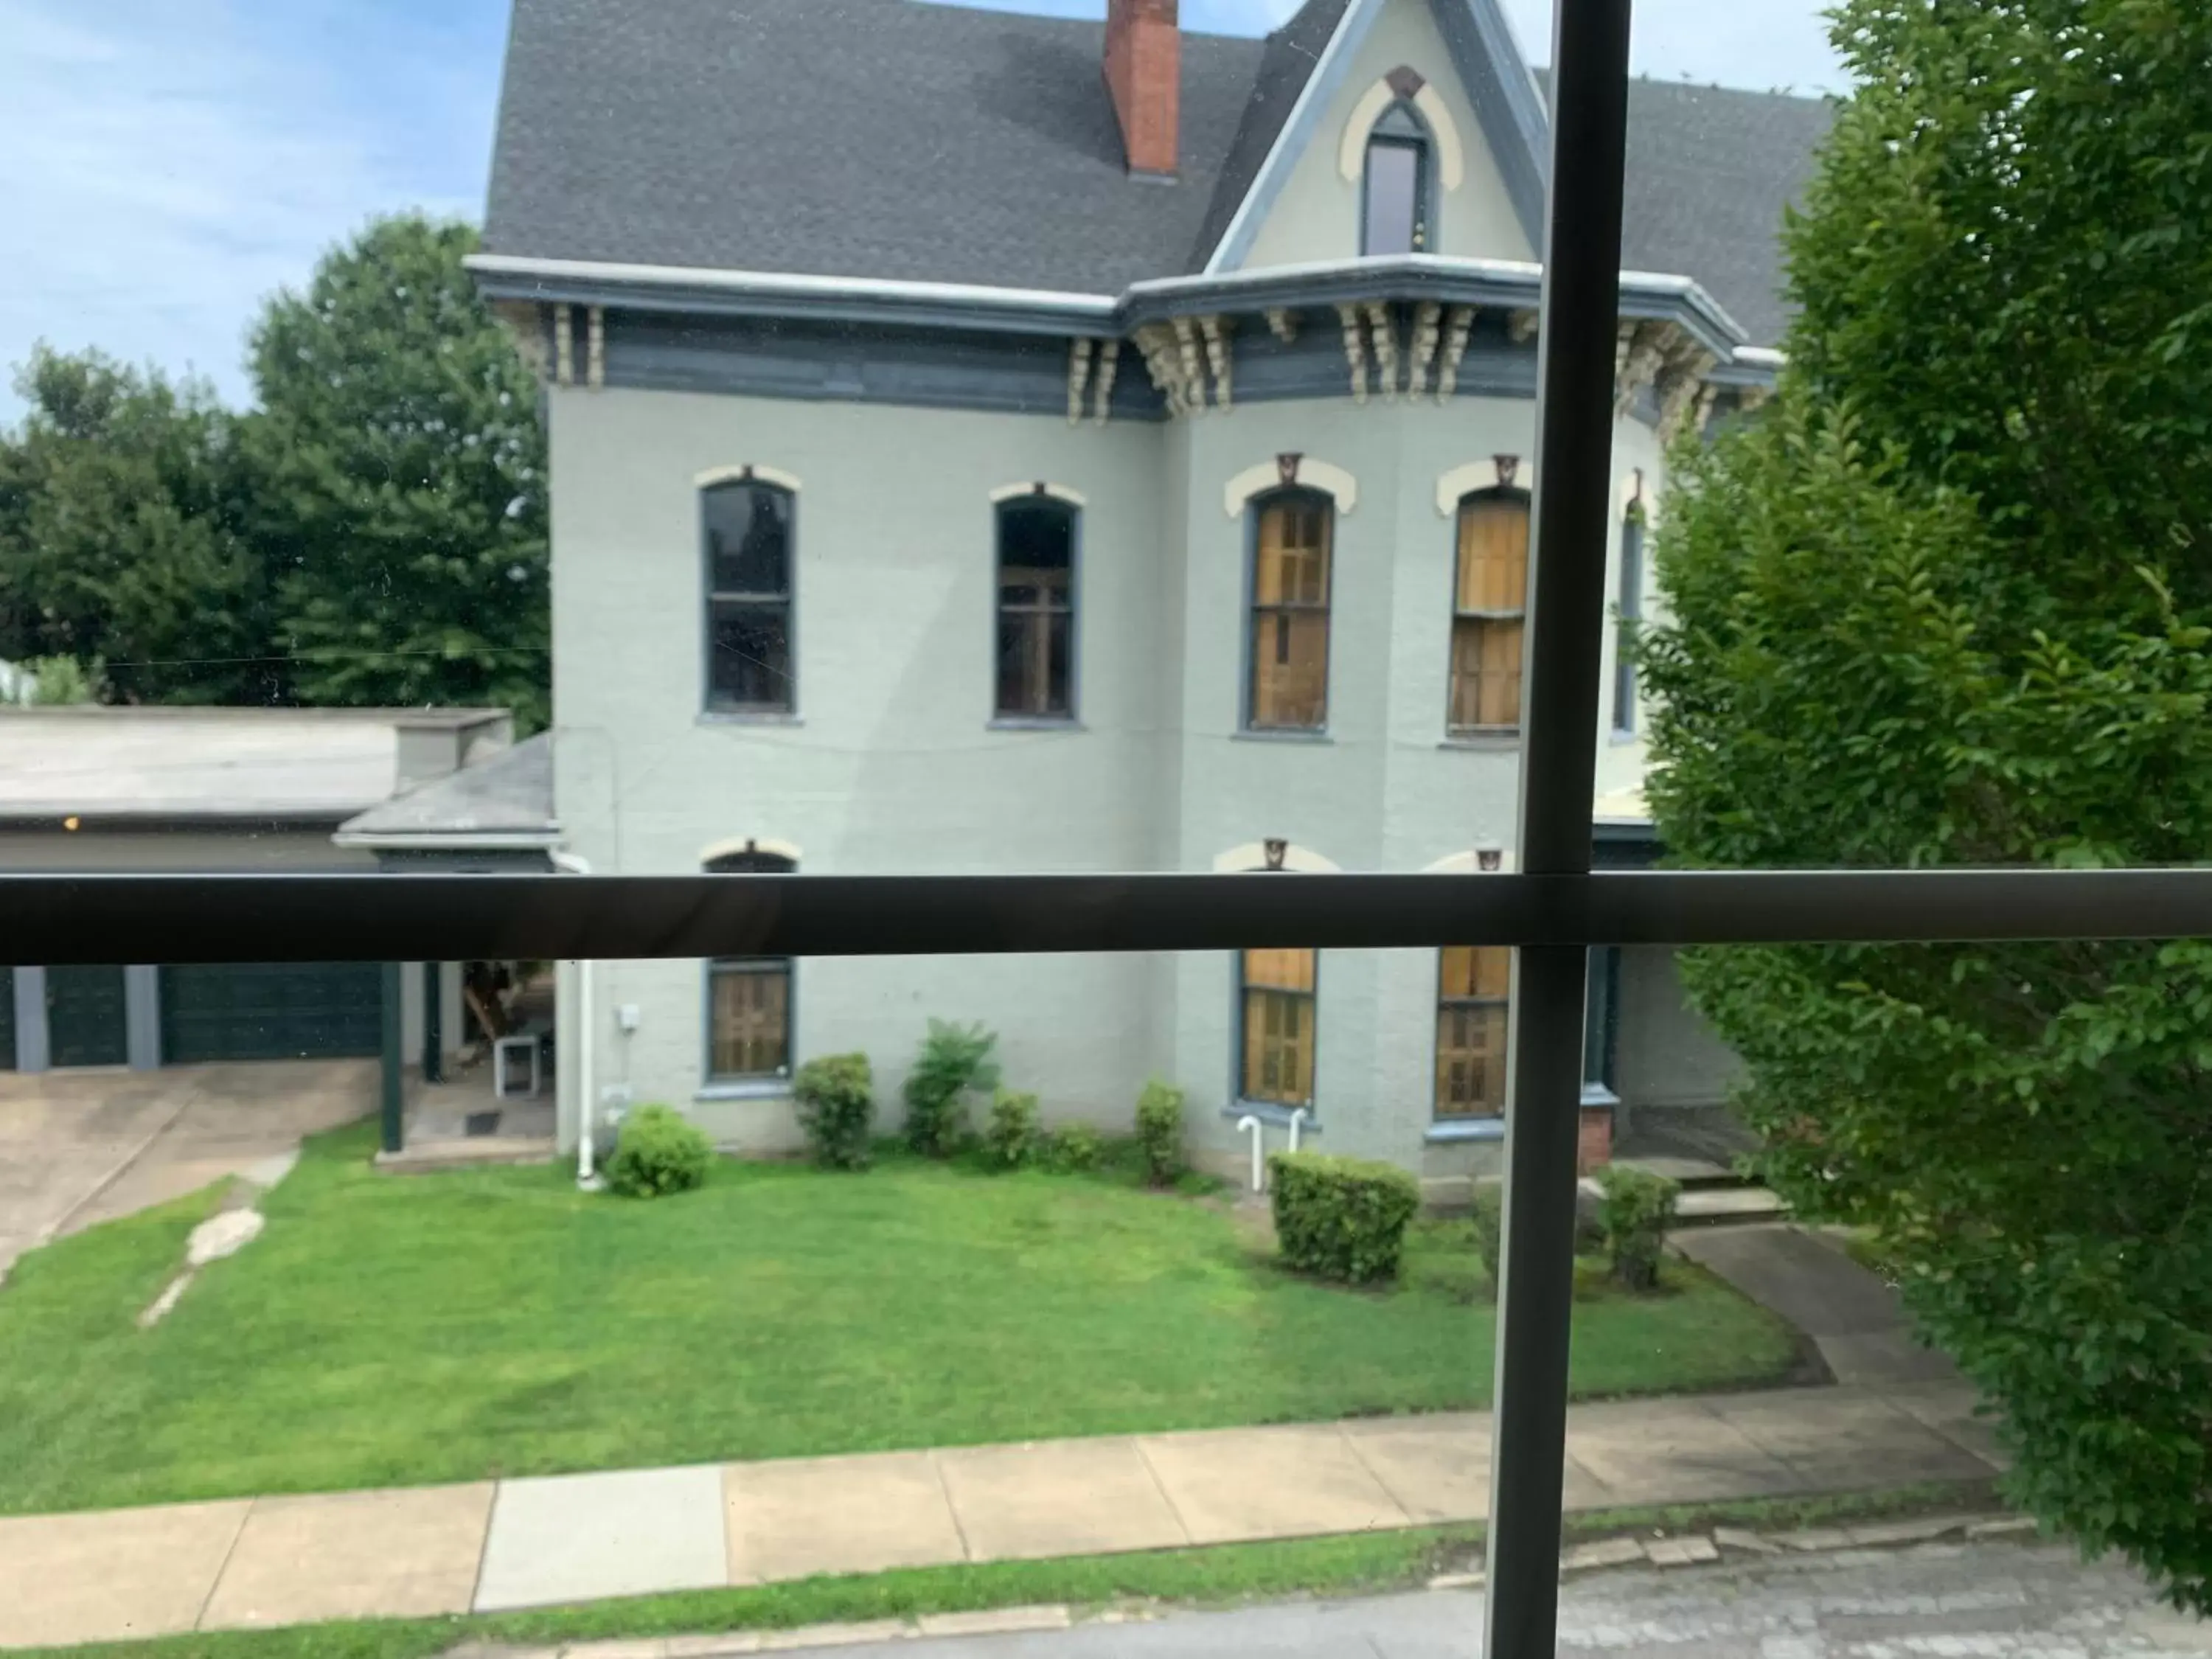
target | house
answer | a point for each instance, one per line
(171, 791)
(983, 442)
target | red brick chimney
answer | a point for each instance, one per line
(1144, 71)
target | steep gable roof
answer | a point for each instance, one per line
(935, 143)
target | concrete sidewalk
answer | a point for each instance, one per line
(248, 1563)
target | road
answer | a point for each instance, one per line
(1988, 1601)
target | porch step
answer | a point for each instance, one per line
(1691, 1174)
(1717, 1206)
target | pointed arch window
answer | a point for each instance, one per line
(1396, 205)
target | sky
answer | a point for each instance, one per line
(173, 161)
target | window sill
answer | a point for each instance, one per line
(1274, 1114)
(1286, 734)
(1617, 737)
(1033, 723)
(1596, 1094)
(1499, 743)
(763, 1088)
(1446, 1132)
(750, 717)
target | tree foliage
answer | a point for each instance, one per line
(122, 507)
(1949, 603)
(400, 492)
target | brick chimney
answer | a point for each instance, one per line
(1144, 71)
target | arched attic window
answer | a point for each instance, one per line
(1397, 195)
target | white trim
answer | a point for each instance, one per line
(1058, 492)
(451, 841)
(1451, 164)
(1468, 863)
(735, 844)
(1251, 858)
(1443, 133)
(778, 283)
(745, 472)
(1307, 473)
(1753, 356)
(1455, 484)
(1356, 19)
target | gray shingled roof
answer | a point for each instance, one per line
(509, 794)
(889, 138)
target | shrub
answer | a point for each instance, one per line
(1635, 1213)
(1160, 1132)
(1073, 1148)
(1341, 1218)
(1012, 1138)
(954, 1059)
(837, 1109)
(659, 1151)
(1490, 1226)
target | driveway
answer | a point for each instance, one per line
(81, 1147)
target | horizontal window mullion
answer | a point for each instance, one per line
(380, 917)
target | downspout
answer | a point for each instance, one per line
(586, 1078)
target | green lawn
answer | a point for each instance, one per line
(389, 1330)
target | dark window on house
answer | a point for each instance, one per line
(749, 997)
(1275, 1002)
(1601, 1021)
(1489, 597)
(1395, 206)
(1036, 609)
(748, 529)
(1289, 688)
(1475, 986)
(1629, 611)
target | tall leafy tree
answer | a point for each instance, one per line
(122, 505)
(401, 496)
(1950, 603)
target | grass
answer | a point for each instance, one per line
(1357, 1563)
(386, 1330)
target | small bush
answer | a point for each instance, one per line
(1341, 1218)
(1635, 1213)
(1010, 1140)
(954, 1059)
(659, 1151)
(1490, 1226)
(836, 1100)
(1160, 1132)
(1073, 1148)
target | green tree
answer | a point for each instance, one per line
(1949, 603)
(401, 488)
(121, 536)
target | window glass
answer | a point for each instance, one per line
(1289, 613)
(1489, 605)
(1036, 608)
(1395, 184)
(1629, 610)
(1472, 1010)
(748, 529)
(1278, 1010)
(749, 997)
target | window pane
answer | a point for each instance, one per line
(1393, 183)
(749, 1030)
(1485, 679)
(1279, 1044)
(1282, 970)
(748, 539)
(1035, 534)
(1289, 668)
(1477, 970)
(1059, 664)
(1493, 554)
(750, 665)
(1471, 1061)
(1630, 607)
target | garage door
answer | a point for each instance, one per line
(271, 1010)
(7, 1019)
(84, 1017)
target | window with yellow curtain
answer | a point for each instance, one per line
(1471, 1002)
(1289, 612)
(1277, 1001)
(749, 997)
(1490, 599)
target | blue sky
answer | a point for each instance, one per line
(174, 160)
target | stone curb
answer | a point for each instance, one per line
(991, 1621)
(1693, 1548)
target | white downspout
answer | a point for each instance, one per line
(1249, 1125)
(586, 1078)
(1297, 1118)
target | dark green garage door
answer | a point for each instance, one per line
(271, 1010)
(7, 1019)
(84, 1017)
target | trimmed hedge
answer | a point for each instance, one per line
(1160, 1132)
(836, 1102)
(659, 1151)
(1635, 1213)
(1341, 1218)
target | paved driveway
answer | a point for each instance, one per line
(80, 1147)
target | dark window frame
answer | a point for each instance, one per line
(1072, 608)
(716, 600)
(1400, 128)
(1255, 514)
